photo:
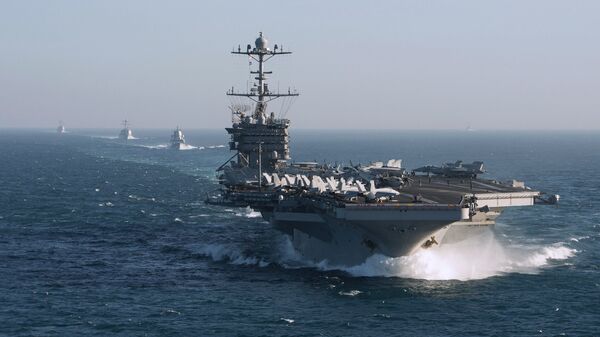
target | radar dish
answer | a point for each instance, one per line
(239, 108)
(261, 42)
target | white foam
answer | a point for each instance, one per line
(184, 147)
(288, 256)
(542, 257)
(253, 214)
(577, 239)
(159, 146)
(203, 215)
(350, 293)
(476, 258)
(231, 254)
(112, 137)
(249, 213)
(170, 311)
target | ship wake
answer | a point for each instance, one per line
(159, 146)
(187, 147)
(168, 146)
(476, 258)
(231, 254)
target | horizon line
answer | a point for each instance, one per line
(306, 129)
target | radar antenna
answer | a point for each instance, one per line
(260, 92)
(238, 110)
(261, 140)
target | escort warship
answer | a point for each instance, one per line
(61, 128)
(126, 133)
(346, 214)
(178, 140)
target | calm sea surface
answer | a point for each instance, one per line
(103, 238)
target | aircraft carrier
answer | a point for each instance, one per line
(346, 214)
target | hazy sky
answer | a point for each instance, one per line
(357, 64)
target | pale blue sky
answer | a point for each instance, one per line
(358, 64)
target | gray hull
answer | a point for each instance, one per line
(351, 236)
(460, 231)
(178, 146)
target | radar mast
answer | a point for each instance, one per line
(260, 139)
(260, 92)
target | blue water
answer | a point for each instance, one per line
(101, 238)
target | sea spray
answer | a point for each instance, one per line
(159, 146)
(184, 147)
(249, 213)
(478, 257)
(231, 254)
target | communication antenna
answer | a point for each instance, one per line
(260, 92)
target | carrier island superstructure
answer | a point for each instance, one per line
(346, 214)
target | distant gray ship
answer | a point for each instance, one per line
(346, 214)
(178, 140)
(61, 128)
(126, 133)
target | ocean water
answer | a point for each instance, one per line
(103, 238)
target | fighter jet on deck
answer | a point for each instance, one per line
(456, 169)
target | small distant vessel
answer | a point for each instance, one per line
(126, 133)
(178, 139)
(61, 128)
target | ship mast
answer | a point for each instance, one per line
(261, 95)
(261, 140)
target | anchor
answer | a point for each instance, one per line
(429, 243)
